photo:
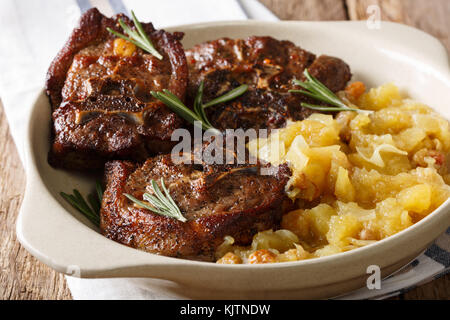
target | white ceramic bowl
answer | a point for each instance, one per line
(65, 240)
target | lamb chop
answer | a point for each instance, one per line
(99, 88)
(268, 66)
(216, 200)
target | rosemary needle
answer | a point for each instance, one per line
(315, 89)
(77, 201)
(230, 95)
(198, 114)
(138, 38)
(160, 203)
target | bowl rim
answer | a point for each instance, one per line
(442, 213)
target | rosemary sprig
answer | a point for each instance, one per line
(160, 203)
(138, 38)
(230, 95)
(199, 114)
(77, 201)
(317, 90)
(177, 106)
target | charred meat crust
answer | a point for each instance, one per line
(92, 30)
(268, 66)
(262, 62)
(88, 145)
(238, 204)
(332, 72)
(101, 102)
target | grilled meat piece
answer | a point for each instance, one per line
(216, 200)
(90, 131)
(268, 66)
(99, 88)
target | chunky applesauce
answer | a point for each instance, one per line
(357, 177)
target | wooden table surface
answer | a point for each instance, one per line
(23, 277)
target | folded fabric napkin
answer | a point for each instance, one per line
(29, 43)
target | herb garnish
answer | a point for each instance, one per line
(161, 204)
(174, 103)
(317, 90)
(95, 200)
(138, 38)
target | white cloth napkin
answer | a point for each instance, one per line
(35, 30)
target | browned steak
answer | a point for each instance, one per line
(268, 66)
(216, 200)
(99, 88)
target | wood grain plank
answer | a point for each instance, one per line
(21, 275)
(438, 289)
(429, 16)
(307, 9)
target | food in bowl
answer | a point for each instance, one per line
(215, 201)
(358, 177)
(230, 213)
